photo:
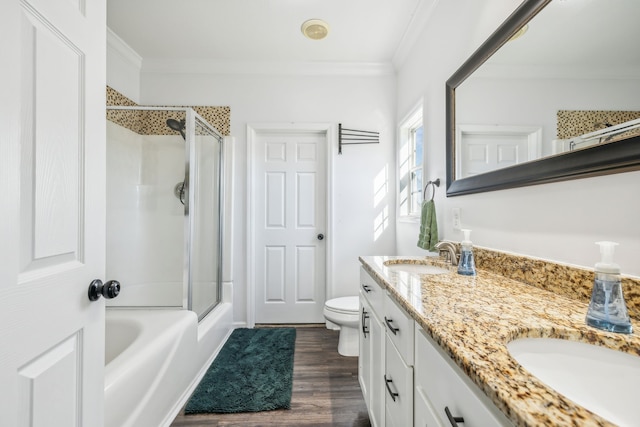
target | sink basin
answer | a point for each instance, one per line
(415, 268)
(600, 379)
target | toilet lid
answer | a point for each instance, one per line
(344, 304)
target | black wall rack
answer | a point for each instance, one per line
(354, 136)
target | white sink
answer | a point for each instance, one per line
(415, 268)
(601, 380)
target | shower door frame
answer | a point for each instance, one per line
(189, 223)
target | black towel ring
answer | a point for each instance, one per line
(435, 184)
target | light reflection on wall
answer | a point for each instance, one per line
(381, 202)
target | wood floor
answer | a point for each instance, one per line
(325, 390)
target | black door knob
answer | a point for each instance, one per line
(320, 236)
(109, 290)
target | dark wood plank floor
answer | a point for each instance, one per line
(325, 390)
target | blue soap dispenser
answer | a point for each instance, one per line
(466, 265)
(607, 309)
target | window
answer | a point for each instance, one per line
(410, 156)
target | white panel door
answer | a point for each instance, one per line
(487, 148)
(290, 205)
(484, 153)
(52, 212)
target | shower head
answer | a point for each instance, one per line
(177, 126)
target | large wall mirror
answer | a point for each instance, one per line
(553, 94)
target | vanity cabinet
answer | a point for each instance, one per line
(444, 393)
(406, 378)
(385, 365)
(372, 348)
(398, 371)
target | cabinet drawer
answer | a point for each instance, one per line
(423, 413)
(399, 328)
(398, 383)
(446, 386)
(372, 291)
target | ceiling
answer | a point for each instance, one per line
(574, 38)
(361, 31)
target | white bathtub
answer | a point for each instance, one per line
(150, 363)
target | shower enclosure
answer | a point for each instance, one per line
(164, 208)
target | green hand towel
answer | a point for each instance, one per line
(428, 226)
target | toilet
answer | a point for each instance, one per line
(342, 313)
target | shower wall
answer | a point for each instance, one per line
(145, 221)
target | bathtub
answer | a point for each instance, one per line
(150, 363)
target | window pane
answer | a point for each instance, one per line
(418, 135)
(416, 190)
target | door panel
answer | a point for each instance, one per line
(55, 372)
(275, 199)
(50, 143)
(275, 268)
(305, 273)
(52, 163)
(306, 200)
(290, 212)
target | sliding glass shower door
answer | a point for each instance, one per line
(164, 220)
(204, 216)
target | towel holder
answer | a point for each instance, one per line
(434, 184)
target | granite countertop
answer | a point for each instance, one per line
(473, 318)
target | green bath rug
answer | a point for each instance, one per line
(253, 372)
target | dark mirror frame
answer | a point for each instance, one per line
(597, 160)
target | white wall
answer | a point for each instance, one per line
(123, 67)
(559, 221)
(535, 102)
(358, 102)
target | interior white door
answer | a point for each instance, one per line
(484, 153)
(52, 210)
(486, 148)
(290, 218)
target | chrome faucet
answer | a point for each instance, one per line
(449, 250)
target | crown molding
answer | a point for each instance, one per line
(274, 68)
(419, 21)
(121, 48)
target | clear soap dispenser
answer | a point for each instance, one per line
(466, 265)
(607, 309)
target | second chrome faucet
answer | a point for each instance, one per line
(449, 250)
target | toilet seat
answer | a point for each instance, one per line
(343, 305)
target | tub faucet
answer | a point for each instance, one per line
(449, 250)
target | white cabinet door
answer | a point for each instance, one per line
(400, 328)
(377, 360)
(445, 386)
(52, 180)
(423, 413)
(398, 385)
(364, 342)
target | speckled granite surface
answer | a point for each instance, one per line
(473, 318)
(572, 282)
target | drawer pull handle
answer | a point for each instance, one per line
(391, 393)
(366, 288)
(390, 326)
(453, 420)
(365, 316)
